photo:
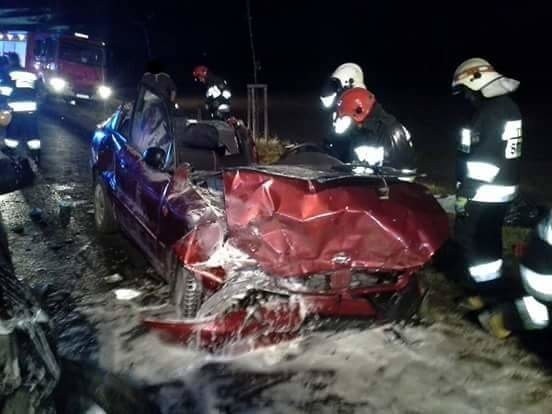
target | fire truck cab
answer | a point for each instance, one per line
(71, 66)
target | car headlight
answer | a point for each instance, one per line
(33, 144)
(11, 143)
(342, 124)
(105, 92)
(328, 101)
(373, 156)
(58, 84)
(6, 90)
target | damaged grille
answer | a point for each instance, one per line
(326, 283)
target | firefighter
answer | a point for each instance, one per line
(370, 135)
(532, 310)
(218, 92)
(489, 157)
(346, 76)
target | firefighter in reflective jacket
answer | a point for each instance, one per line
(488, 171)
(532, 310)
(218, 93)
(365, 133)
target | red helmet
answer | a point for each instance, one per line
(200, 73)
(357, 103)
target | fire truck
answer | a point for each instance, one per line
(71, 66)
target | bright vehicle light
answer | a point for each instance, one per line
(363, 170)
(58, 84)
(34, 144)
(24, 106)
(226, 94)
(11, 143)
(342, 124)
(21, 36)
(81, 35)
(6, 90)
(327, 101)
(10, 36)
(373, 156)
(105, 92)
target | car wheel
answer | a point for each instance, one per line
(103, 209)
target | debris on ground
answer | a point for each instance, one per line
(126, 294)
(18, 229)
(114, 278)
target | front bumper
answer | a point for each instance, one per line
(281, 318)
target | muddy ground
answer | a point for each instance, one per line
(444, 364)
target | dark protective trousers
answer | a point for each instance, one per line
(478, 232)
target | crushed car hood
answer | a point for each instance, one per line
(298, 221)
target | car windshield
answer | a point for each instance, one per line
(81, 52)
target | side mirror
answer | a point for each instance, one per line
(155, 157)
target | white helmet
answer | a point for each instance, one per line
(350, 75)
(479, 75)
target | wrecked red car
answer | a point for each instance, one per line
(256, 252)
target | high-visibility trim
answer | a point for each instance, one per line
(486, 272)
(23, 106)
(533, 313)
(23, 79)
(537, 284)
(328, 101)
(482, 171)
(544, 230)
(489, 193)
(213, 92)
(512, 129)
(369, 154)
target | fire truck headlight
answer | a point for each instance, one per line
(58, 84)
(105, 92)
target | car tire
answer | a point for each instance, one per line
(104, 218)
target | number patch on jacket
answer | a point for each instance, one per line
(512, 136)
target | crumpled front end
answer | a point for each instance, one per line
(293, 249)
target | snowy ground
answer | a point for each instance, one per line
(446, 366)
